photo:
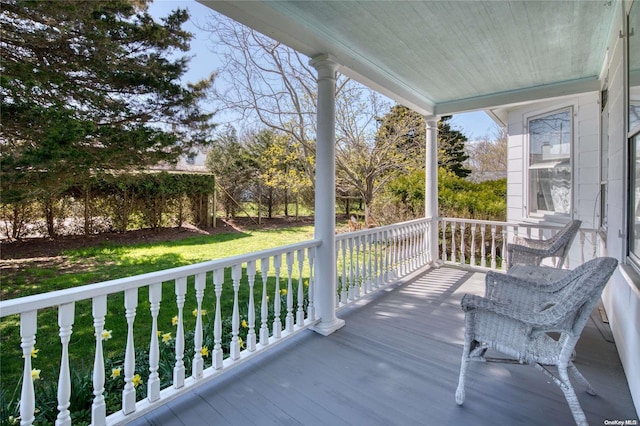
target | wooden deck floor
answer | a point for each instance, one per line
(396, 362)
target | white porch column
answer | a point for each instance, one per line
(431, 187)
(325, 203)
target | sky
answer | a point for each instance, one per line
(474, 125)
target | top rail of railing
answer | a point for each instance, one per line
(511, 224)
(54, 298)
(369, 231)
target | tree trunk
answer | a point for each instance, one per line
(270, 201)
(87, 210)
(346, 206)
(286, 203)
(49, 216)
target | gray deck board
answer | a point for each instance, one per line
(396, 362)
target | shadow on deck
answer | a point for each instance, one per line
(396, 362)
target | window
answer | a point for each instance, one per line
(633, 79)
(634, 240)
(550, 138)
(604, 157)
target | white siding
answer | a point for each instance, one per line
(585, 157)
(621, 297)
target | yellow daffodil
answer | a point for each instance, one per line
(166, 337)
(204, 351)
(195, 312)
(136, 380)
(241, 342)
(244, 324)
(202, 312)
(174, 321)
(306, 283)
(115, 372)
(283, 291)
(34, 353)
(106, 334)
(35, 374)
(159, 333)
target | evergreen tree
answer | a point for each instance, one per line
(451, 148)
(89, 86)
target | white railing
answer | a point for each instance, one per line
(482, 244)
(285, 274)
(370, 259)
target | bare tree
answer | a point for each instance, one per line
(269, 84)
(488, 156)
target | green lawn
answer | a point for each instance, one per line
(109, 261)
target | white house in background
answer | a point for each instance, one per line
(562, 76)
(190, 163)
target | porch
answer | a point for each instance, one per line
(396, 361)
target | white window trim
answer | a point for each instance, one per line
(541, 216)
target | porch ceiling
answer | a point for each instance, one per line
(441, 57)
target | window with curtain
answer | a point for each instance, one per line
(550, 137)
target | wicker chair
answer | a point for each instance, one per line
(531, 252)
(517, 315)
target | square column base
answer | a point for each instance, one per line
(327, 328)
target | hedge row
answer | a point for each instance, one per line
(112, 203)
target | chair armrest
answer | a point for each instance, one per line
(507, 286)
(540, 251)
(523, 313)
(530, 242)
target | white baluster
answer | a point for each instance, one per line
(65, 323)
(493, 247)
(300, 311)
(179, 369)
(344, 285)
(483, 248)
(129, 391)
(311, 308)
(277, 325)
(385, 278)
(289, 318)
(216, 358)
(338, 290)
(28, 328)
(264, 307)
(504, 248)
(153, 384)
(594, 239)
(394, 254)
(473, 244)
(357, 272)
(401, 251)
(251, 334)
(354, 285)
(376, 260)
(98, 408)
(197, 366)
(462, 248)
(453, 242)
(444, 240)
(370, 277)
(236, 274)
